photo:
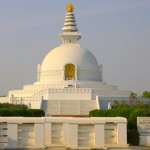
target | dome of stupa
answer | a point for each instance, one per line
(69, 53)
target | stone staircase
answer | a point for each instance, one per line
(71, 107)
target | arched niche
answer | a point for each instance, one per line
(69, 72)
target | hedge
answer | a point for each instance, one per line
(133, 137)
(130, 113)
(120, 112)
(8, 105)
(5, 112)
(132, 120)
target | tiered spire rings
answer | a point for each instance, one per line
(70, 31)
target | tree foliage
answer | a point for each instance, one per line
(133, 98)
(146, 94)
(123, 104)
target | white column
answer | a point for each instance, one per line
(73, 135)
(122, 133)
(12, 135)
(65, 133)
(99, 135)
(39, 134)
(64, 73)
(97, 102)
(59, 106)
(76, 74)
(47, 134)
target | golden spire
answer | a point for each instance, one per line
(70, 7)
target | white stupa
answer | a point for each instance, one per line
(69, 80)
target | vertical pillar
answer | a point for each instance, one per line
(76, 73)
(65, 133)
(122, 133)
(47, 134)
(64, 75)
(99, 130)
(39, 135)
(12, 135)
(97, 102)
(59, 107)
(73, 135)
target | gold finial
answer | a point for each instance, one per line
(70, 7)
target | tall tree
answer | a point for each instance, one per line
(133, 98)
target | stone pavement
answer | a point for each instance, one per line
(110, 148)
(129, 148)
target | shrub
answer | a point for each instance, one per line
(5, 112)
(132, 137)
(120, 112)
(36, 112)
(94, 113)
(147, 112)
(124, 112)
(132, 120)
(8, 105)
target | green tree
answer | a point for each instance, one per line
(133, 98)
(146, 94)
(116, 104)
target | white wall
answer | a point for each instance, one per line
(143, 124)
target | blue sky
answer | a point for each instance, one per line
(117, 32)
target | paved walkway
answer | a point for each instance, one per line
(58, 148)
(130, 148)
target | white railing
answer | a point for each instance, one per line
(75, 133)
